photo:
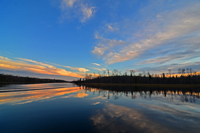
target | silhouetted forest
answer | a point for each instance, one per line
(184, 78)
(4, 78)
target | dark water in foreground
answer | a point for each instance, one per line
(64, 107)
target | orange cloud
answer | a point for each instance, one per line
(36, 67)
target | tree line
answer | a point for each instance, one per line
(5, 78)
(184, 76)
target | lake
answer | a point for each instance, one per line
(66, 107)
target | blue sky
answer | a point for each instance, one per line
(67, 38)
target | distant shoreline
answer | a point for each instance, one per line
(11, 79)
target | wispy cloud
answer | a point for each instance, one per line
(96, 64)
(69, 3)
(77, 8)
(77, 68)
(33, 66)
(35, 62)
(80, 69)
(106, 45)
(111, 28)
(3, 58)
(99, 50)
(166, 31)
(87, 12)
(99, 69)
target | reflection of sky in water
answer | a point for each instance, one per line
(52, 106)
(117, 118)
(19, 94)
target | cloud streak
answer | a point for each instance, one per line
(96, 64)
(35, 67)
(99, 69)
(79, 69)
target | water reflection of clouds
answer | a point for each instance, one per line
(21, 97)
(99, 97)
(115, 118)
(171, 109)
(150, 111)
(29, 87)
(95, 103)
(79, 95)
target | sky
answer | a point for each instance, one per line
(65, 39)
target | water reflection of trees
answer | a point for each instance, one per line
(185, 94)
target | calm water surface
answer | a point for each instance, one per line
(64, 107)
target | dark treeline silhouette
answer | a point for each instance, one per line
(186, 94)
(4, 78)
(185, 78)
